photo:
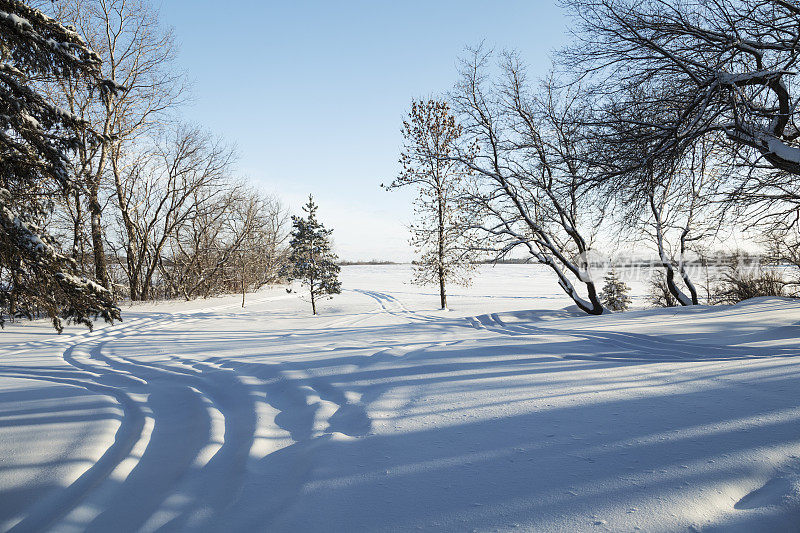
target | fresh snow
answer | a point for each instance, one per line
(782, 150)
(16, 20)
(510, 411)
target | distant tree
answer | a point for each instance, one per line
(36, 138)
(311, 260)
(431, 136)
(615, 292)
(232, 241)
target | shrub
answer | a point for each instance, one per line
(741, 282)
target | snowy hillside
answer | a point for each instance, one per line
(507, 412)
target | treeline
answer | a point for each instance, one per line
(130, 197)
(670, 125)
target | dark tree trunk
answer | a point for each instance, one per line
(15, 282)
(442, 294)
(311, 278)
(242, 278)
(691, 287)
(676, 292)
(95, 211)
(597, 307)
(77, 238)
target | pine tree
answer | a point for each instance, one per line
(312, 261)
(615, 292)
(36, 138)
(440, 236)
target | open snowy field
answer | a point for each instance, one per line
(386, 414)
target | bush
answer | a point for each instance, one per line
(741, 282)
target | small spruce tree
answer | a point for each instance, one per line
(311, 260)
(615, 293)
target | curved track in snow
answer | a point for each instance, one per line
(228, 427)
(190, 430)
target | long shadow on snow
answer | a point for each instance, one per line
(529, 469)
(214, 485)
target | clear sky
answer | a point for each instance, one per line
(313, 93)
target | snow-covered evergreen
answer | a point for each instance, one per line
(312, 261)
(35, 140)
(615, 292)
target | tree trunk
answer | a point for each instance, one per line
(593, 306)
(133, 275)
(673, 287)
(442, 294)
(131, 247)
(95, 210)
(134, 292)
(682, 269)
(311, 278)
(15, 282)
(666, 261)
(689, 285)
(77, 240)
(597, 307)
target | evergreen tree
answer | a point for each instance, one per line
(36, 138)
(312, 261)
(615, 293)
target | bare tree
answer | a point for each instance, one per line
(673, 199)
(727, 62)
(137, 56)
(536, 188)
(272, 241)
(673, 209)
(724, 69)
(264, 250)
(236, 242)
(431, 137)
(178, 180)
(150, 186)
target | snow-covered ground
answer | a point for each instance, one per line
(385, 414)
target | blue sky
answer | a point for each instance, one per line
(313, 93)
